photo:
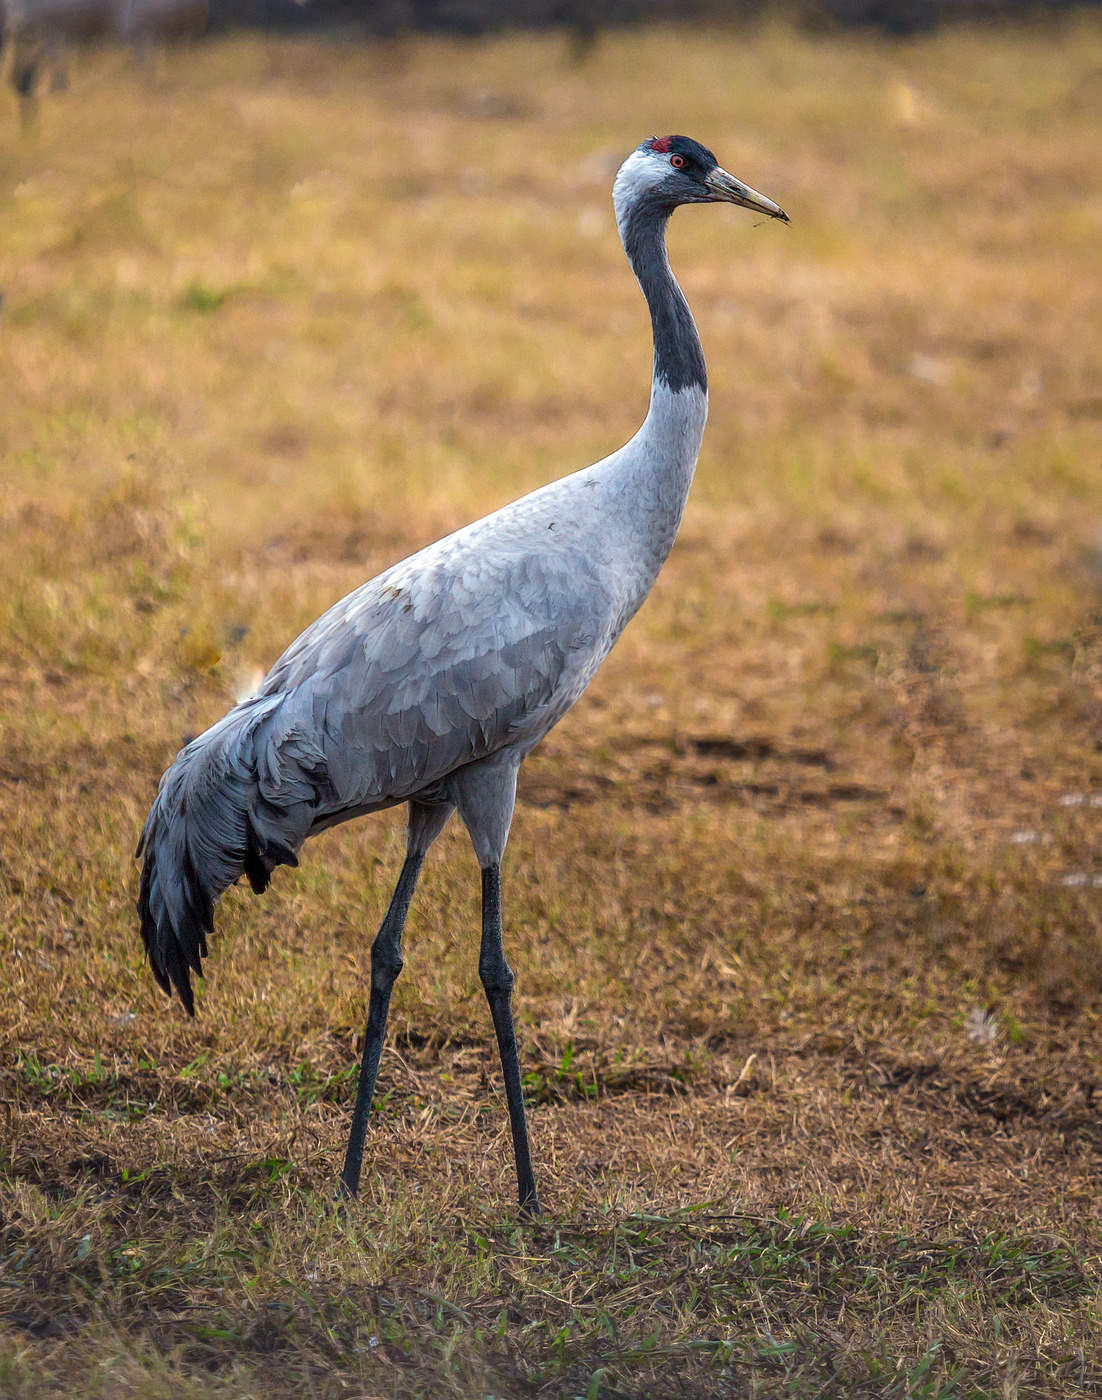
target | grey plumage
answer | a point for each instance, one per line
(431, 683)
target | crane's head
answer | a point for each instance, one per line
(670, 170)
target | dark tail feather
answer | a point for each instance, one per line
(174, 924)
(166, 959)
(207, 826)
(262, 855)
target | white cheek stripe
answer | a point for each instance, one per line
(641, 171)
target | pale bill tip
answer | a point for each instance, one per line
(727, 188)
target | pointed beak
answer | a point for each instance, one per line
(731, 191)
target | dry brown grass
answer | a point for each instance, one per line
(291, 311)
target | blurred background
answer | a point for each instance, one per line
(811, 876)
(33, 25)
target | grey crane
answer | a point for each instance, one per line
(432, 682)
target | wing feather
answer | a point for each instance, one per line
(429, 667)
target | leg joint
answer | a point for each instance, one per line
(386, 963)
(497, 976)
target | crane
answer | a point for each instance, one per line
(431, 683)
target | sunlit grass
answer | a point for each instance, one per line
(802, 897)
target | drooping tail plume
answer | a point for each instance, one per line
(218, 815)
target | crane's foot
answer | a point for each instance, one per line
(344, 1198)
(530, 1208)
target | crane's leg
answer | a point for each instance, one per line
(485, 794)
(425, 824)
(497, 980)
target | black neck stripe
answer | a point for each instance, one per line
(678, 355)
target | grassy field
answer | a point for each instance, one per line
(805, 897)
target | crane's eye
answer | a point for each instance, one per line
(677, 162)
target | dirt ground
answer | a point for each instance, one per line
(804, 897)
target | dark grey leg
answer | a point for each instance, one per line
(497, 979)
(386, 963)
(425, 824)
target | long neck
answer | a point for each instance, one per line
(678, 355)
(655, 469)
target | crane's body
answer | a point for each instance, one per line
(432, 682)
